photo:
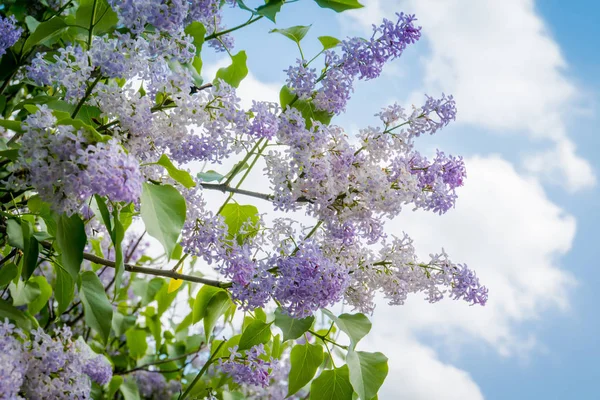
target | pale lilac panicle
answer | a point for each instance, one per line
(65, 169)
(249, 369)
(301, 80)
(12, 363)
(336, 86)
(57, 367)
(265, 123)
(466, 286)
(152, 385)
(308, 281)
(437, 180)
(434, 115)
(164, 15)
(252, 283)
(209, 14)
(70, 68)
(9, 33)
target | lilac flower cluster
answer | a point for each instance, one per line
(70, 68)
(250, 369)
(437, 180)
(172, 16)
(44, 368)
(360, 58)
(152, 385)
(308, 281)
(396, 271)
(9, 33)
(66, 169)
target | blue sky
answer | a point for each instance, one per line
(525, 76)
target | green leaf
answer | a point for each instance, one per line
(129, 389)
(31, 251)
(117, 237)
(210, 304)
(71, 239)
(121, 323)
(307, 108)
(44, 31)
(136, 343)
(115, 382)
(356, 326)
(292, 328)
(333, 384)
(216, 307)
(197, 31)
(367, 372)
(147, 290)
(179, 175)
(8, 272)
(163, 210)
(256, 333)
(24, 293)
(64, 289)
(339, 5)
(15, 315)
(329, 42)
(98, 310)
(270, 9)
(237, 216)
(12, 125)
(15, 234)
(104, 17)
(210, 176)
(295, 33)
(40, 301)
(305, 359)
(237, 71)
(164, 299)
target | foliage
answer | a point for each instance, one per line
(108, 242)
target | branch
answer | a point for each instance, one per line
(191, 353)
(226, 188)
(150, 271)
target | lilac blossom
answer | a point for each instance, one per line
(152, 385)
(65, 169)
(301, 79)
(9, 33)
(249, 369)
(308, 281)
(265, 122)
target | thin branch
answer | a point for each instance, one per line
(150, 271)
(191, 353)
(226, 188)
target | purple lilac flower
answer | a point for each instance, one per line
(365, 58)
(12, 363)
(164, 15)
(301, 79)
(153, 385)
(249, 369)
(466, 286)
(433, 116)
(66, 170)
(266, 121)
(56, 367)
(209, 14)
(308, 281)
(336, 86)
(9, 33)
(252, 283)
(71, 69)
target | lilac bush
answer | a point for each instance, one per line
(123, 274)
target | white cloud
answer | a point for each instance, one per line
(511, 234)
(504, 69)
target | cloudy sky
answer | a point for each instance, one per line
(524, 75)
